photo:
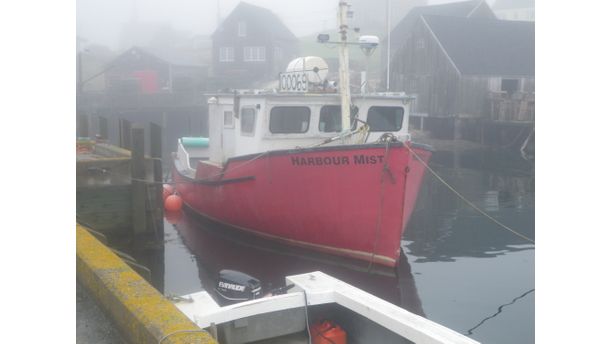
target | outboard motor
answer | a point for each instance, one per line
(235, 286)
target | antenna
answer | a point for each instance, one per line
(388, 42)
(343, 59)
(366, 43)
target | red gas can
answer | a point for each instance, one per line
(326, 332)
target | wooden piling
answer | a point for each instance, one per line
(125, 134)
(155, 141)
(83, 125)
(139, 192)
(103, 127)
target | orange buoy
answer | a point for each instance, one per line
(173, 217)
(167, 191)
(173, 203)
(327, 332)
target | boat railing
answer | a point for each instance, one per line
(317, 288)
(183, 155)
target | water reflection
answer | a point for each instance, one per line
(215, 247)
(474, 276)
(444, 227)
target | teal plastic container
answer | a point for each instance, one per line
(194, 141)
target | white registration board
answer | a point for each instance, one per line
(293, 82)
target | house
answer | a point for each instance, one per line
(250, 47)
(515, 9)
(140, 71)
(402, 32)
(468, 68)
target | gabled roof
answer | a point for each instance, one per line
(457, 9)
(270, 22)
(174, 58)
(513, 4)
(479, 46)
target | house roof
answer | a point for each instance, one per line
(513, 4)
(479, 46)
(175, 58)
(270, 22)
(457, 9)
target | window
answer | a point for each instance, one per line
(252, 54)
(420, 43)
(228, 119)
(278, 53)
(241, 29)
(330, 119)
(247, 121)
(385, 118)
(510, 85)
(289, 119)
(226, 54)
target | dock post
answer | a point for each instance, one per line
(139, 216)
(155, 132)
(103, 127)
(125, 134)
(83, 125)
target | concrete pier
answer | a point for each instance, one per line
(138, 311)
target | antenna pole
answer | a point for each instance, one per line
(343, 60)
(388, 42)
(218, 13)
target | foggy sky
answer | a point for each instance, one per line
(101, 21)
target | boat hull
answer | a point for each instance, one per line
(352, 201)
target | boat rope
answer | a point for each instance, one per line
(180, 331)
(382, 200)
(463, 198)
(499, 310)
(306, 315)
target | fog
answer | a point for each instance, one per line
(106, 22)
(102, 21)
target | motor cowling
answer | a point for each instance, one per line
(235, 286)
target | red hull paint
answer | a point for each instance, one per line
(339, 200)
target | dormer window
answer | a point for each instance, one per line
(241, 29)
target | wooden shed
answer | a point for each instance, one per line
(464, 67)
(250, 47)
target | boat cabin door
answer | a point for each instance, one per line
(228, 141)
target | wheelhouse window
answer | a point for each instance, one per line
(289, 119)
(247, 121)
(254, 54)
(385, 118)
(330, 118)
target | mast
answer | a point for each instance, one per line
(388, 42)
(345, 91)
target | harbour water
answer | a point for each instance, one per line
(458, 268)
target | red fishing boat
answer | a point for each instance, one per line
(307, 164)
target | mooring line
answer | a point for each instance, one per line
(499, 310)
(465, 199)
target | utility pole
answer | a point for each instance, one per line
(345, 90)
(80, 71)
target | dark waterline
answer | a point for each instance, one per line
(458, 268)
